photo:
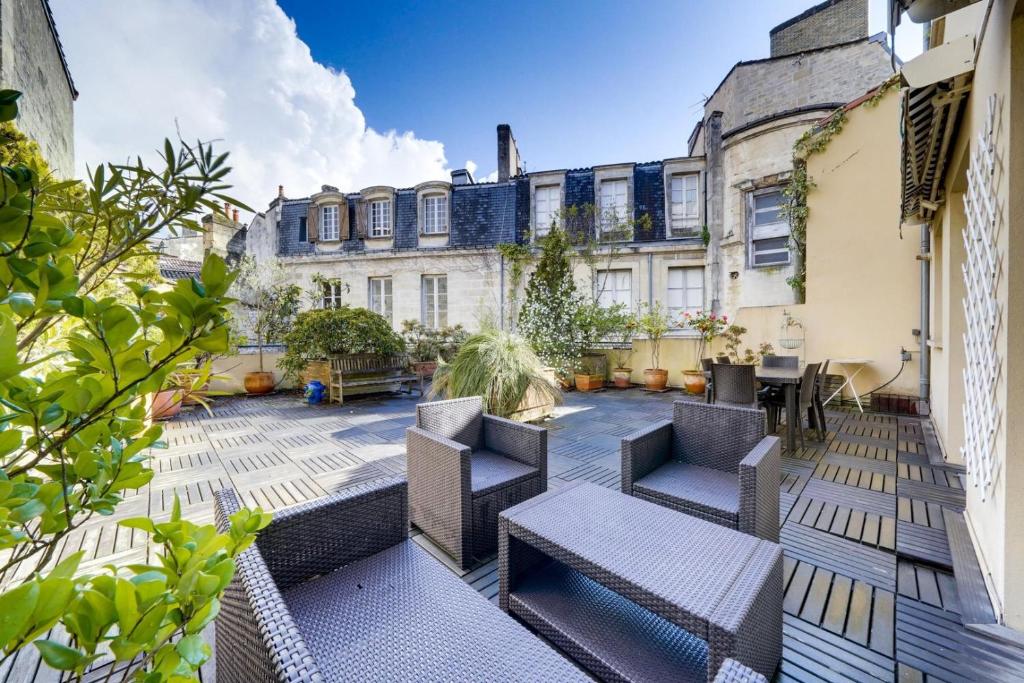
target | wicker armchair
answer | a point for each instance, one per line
(711, 461)
(732, 671)
(464, 468)
(334, 590)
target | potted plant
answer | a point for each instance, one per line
(653, 323)
(426, 345)
(789, 338)
(591, 373)
(503, 368)
(269, 304)
(733, 336)
(707, 325)
(625, 330)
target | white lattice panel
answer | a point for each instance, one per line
(982, 270)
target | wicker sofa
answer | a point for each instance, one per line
(334, 590)
(710, 461)
(464, 468)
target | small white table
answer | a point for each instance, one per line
(851, 368)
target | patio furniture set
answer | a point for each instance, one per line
(786, 389)
(678, 577)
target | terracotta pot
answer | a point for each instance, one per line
(259, 382)
(655, 379)
(189, 399)
(166, 404)
(424, 368)
(622, 377)
(694, 381)
(589, 382)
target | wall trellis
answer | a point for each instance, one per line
(982, 271)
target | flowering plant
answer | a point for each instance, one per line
(708, 324)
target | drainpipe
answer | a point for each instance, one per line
(650, 279)
(924, 357)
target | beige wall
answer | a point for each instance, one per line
(996, 516)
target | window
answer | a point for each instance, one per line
(614, 287)
(614, 210)
(684, 209)
(434, 303)
(769, 229)
(435, 214)
(303, 236)
(332, 295)
(380, 296)
(380, 218)
(547, 201)
(329, 222)
(685, 291)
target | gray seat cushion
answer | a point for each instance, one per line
(491, 470)
(712, 492)
(401, 615)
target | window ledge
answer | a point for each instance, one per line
(379, 237)
(434, 234)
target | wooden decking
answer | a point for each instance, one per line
(874, 590)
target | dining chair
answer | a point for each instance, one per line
(773, 361)
(805, 405)
(705, 364)
(819, 391)
(734, 384)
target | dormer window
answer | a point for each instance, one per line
(435, 214)
(684, 210)
(614, 199)
(329, 224)
(380, 218)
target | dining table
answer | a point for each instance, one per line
(787, 379)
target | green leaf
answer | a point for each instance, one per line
(16, 607)
(144, 523)
(10, 440)
(126, 604)
(193, 650)
(59, 656)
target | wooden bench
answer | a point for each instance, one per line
(370, 369)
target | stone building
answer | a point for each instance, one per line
(750, 124)
(430, 252)
(32, 61)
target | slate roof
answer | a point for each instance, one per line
(174, 268)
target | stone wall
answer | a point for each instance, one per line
(30, 61)
(830, 23)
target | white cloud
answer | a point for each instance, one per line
(233, 71)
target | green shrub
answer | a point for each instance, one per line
(322, 333)
(427, 344)
(500, 366)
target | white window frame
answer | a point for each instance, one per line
(330, 223)
(380, 296)
(684, 216)
(435, 214)
(380, 217)
(766, 231)
(684, 296)
(331, 295)
(433, 301)
(610, 213)
(547, 205)
(609, 289)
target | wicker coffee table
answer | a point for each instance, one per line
(635, 591)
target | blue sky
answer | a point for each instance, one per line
(581, 83)
(354, 94)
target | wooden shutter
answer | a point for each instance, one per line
(312, 222)
(343, 219)
(361, 219)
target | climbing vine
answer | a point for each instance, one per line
(518, 256)
(814, 141)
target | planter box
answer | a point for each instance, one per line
(589, 382)
(535, 406)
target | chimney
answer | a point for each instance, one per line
(828, 23)
(462, 176)
(234, 215)
(508, 153)
(280, 191)
(227, 210)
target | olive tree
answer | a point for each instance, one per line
(85, 340)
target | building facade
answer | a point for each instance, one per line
(32, 62)
(709, 230)
(963, 199)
